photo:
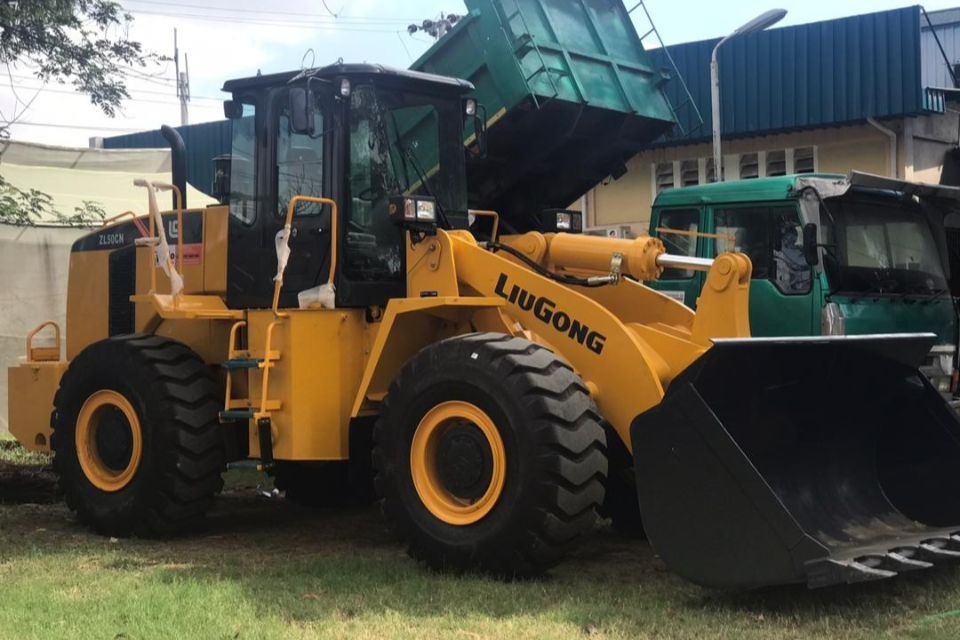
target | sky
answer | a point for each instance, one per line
(223, 39)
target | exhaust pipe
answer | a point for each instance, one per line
(178, 162)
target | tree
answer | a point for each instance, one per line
(82, 42)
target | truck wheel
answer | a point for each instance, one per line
(136, 438)
(489, 455)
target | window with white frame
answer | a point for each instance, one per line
(758, 164)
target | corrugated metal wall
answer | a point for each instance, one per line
(947, 26)
(811, 75)
(204, 142)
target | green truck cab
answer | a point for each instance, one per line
(832, 255)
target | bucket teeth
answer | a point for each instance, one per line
(894, 561)
(825, 572)
(937, 549)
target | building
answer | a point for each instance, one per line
(868, 92)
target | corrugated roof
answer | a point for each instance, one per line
(204, 142)
(811, 75)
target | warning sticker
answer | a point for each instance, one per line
(192, 254)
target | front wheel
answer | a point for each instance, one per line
(490, 455)
(137, 444)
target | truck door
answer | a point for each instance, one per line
(781, 295)
(288, 164)
(678, 229)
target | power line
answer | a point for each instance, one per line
(56, 125)
(144, 91)
(130, 99)
(332, 18)
(268, 23)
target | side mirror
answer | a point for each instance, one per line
(301, 111)
(232, 110)
(810, 244)
(472, 109)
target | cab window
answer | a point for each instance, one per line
(373, 241)
(242, 168)
(677, 229)
(299, 165)
(770, 236)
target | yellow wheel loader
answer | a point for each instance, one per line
(336, 313)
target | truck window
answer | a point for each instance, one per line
(770, 236)
(686, 221)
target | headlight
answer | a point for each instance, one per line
(417, 213)
(426, 210)
(561, 220)
(470, 107)
(831, 320)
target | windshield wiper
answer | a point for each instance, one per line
(399, 143)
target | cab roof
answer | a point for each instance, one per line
(404, 76)
(787, 187)
(754, 190)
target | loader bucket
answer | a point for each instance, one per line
(816, 460)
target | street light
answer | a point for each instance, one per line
(761, 22)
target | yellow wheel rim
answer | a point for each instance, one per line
(102, 406)
(424, 458)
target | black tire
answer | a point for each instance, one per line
(176, 402)
(620, 504)
(554, 451)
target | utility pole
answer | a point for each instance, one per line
(183, 81)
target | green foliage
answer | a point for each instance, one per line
(27, 207)
(82, 42)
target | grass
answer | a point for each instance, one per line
(262, 568)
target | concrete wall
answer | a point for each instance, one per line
(33, 268)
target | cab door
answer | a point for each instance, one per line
(678, 228)
(287, 164)
(781, 287)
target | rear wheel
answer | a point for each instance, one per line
(136, 439)
(489, 455)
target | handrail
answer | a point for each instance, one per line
(487, 213)
(155, 216)
(266, 366)
(38, 329)
(288, 221)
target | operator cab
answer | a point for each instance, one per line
(358, 134)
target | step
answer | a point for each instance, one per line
(246, 403)
(242, 363)
(237, 414)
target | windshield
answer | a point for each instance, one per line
(880, 245)
(401, 143)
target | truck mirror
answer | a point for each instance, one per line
(810, 243)
(232, 109)
(301, 111)
(481, 128)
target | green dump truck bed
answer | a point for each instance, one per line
(568, 92)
